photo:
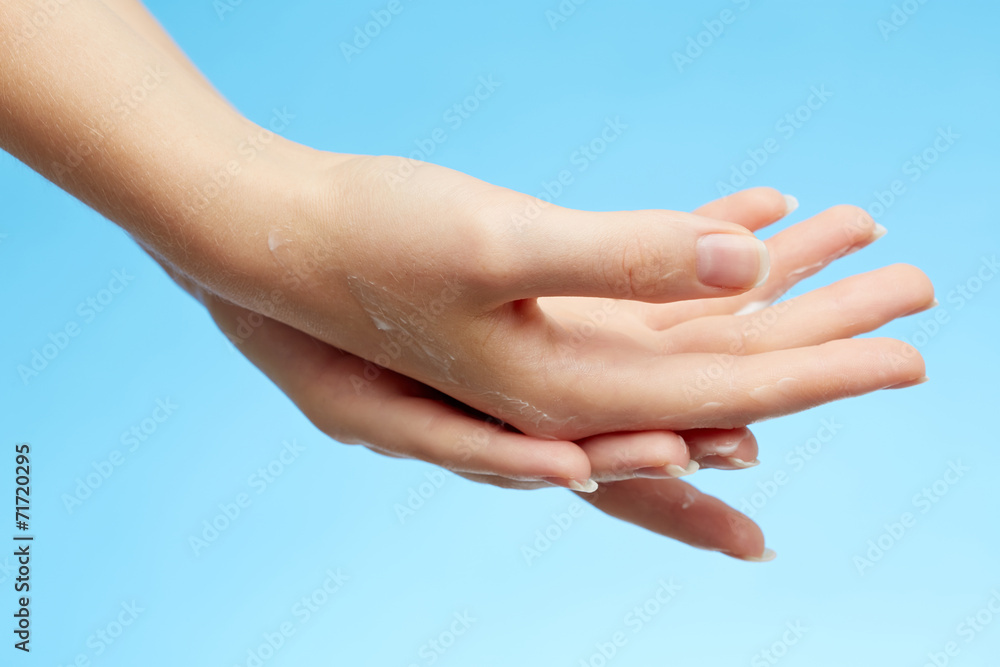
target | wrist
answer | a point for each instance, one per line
(235, 213)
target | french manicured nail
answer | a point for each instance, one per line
(732, 261)
(656, 472)
(588, 486)
(765, 557)
(791, 204)
(911, 383)
(676, 471)
(878, 231)
(933, 304)
(671, 471)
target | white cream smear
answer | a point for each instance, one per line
(779, 389)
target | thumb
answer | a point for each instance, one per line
(654, 255)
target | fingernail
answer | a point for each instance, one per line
(587, 487)
(911, 383)
(573, 485)
(765, 557)
(878, 231)
(791, 204)
(740, 463)
(657, 472)
(732, 261)
(933, 304)
(676, 471)
(670, 471)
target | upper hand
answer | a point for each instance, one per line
(436, 276)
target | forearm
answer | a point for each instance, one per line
(144, 24)
(133, 131)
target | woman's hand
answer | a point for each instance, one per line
(435, 275)
(403, 418)
(420, 269)
(433, 271)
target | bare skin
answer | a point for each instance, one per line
(472, 299)
(632, 467)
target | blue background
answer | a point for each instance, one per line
(334, 507)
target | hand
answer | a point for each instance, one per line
(852, 306)
(434, 276)
(316, 376)
(234, 223)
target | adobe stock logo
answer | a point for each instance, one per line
(785, 128)
(793, 634)
(419, 495)
(37, 21)
(562, 13)
(434, 649)
(971, 627)
(233, 510)
(133, 438)
(553, 532)
(304, 610)
(104, 638)
(914, 168)
(365, 34)
(900, 16)
(637, 619)
(923, 501)
(87, 310)
(714, 29)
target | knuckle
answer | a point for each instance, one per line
(738, 343)
(634, 272)
(486, 248)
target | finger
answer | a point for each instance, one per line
(504, 482)
(654, 256)
(729, 391)
(796, 253)
(430, 431)
(753, 208)
(648, 454)
(396, 415)
(849, 307)
(675, 509)
(722, 449)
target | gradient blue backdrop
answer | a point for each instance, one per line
(334, 507)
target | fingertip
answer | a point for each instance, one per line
(915, 289)
(723, 449)
(752, 208)
(584, 486)
(564, 461)
(766, 556)
(902, 362)
(648, 454)
(910, 383)
(791, 203)
(746, 541)
(911, 361)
